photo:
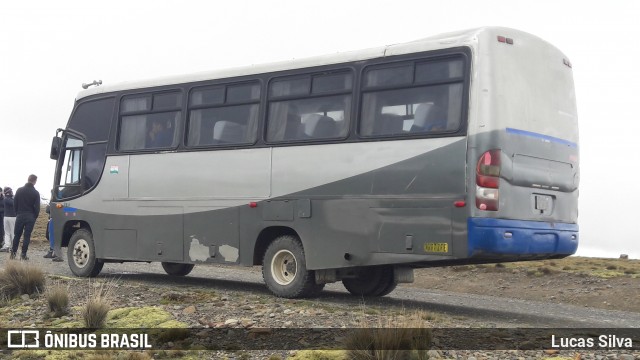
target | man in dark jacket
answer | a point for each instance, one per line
(27, 205)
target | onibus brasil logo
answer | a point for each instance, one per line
(32, 339)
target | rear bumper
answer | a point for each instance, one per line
(488, 237)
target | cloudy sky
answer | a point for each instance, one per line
(48, 49)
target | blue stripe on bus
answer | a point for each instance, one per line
(488, 236)
(541, 136)
(70, 209)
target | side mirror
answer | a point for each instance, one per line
(56, 143)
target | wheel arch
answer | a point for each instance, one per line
(266, 236)
(72, 226)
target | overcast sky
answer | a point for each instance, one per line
(48, 49)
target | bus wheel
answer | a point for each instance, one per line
(177, 269)
(387, 285)
(373, 281)
(81, 254)
(284, 269)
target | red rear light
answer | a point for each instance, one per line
(488, 180)
(488, 169)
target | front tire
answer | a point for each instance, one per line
(177, 269)
(81, 255)
(284, 269)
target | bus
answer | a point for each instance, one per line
(357, 167)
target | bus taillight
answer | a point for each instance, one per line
(488, 180)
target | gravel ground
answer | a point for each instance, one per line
(234, 299)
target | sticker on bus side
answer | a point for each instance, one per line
(436, 247)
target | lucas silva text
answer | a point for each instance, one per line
(602, 341)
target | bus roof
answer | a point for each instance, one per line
(446, 40)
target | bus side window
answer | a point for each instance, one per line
(215, 119)
(427, 95)
(300, 112)
(149, 121)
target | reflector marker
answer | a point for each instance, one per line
(505, 40)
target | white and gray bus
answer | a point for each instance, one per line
(355, 167)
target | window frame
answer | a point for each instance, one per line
(224, 104)
(355, 68)
(269, 100)
(61, 164)
(151, 94)
(416, 60)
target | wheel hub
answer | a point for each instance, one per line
(81, 253)
(284, 267)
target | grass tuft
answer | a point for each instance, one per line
(172, 297)
(19, 278)
(399, 337)
(58, 299)
(94, 313)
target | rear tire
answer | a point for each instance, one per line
(81, 254)
(177, 269)
(284, 269)
(372, 281)
(387, 282)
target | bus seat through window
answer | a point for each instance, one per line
(319, 126)
(225, 132)
(389, 124)
(429, 117)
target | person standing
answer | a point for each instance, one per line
(9, 219)
(49, 235)
(2, 232)
(27, 205)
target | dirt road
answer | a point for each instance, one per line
(484, 304)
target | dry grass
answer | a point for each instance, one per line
(94, 312)
(173, 297)
(598, 267)
(20, 278)
(130, 355)
(397, 337)
(58, 299)
(581, 265)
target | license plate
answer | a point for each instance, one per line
(436, 247)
